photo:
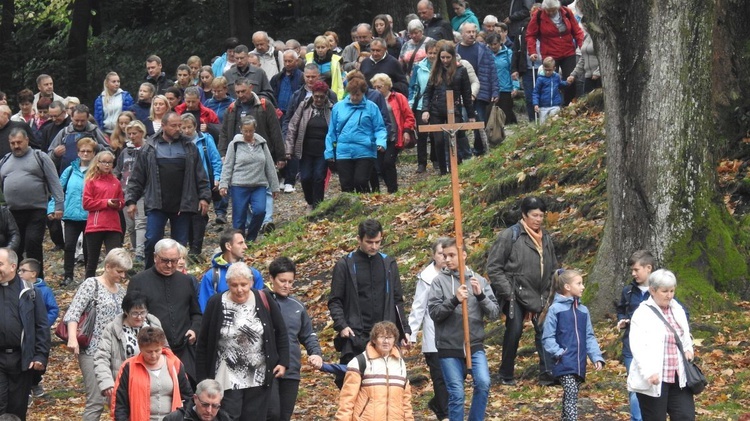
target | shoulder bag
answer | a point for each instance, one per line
(85, 323)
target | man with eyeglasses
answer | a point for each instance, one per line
(173, 300)
(206, 404)
(58, 120)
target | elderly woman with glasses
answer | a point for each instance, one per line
(376, 386)
(106, 291)
(119, 340)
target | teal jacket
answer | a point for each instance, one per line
(468, 16)
(355, 131)
(72, 183)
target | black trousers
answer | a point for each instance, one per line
(197, 233)
(94, 241)
(73, 230)
(354, 174)
(512, 336)
(246, 404)
(387, 161)
(678, 403)
(31, 224)
(15, 385)
(56, 232)
(505, 102)
(283, 397)
(440, 401)
(566, 66)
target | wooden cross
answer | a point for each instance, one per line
(452, 129)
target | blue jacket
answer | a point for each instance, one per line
(220, 267)
(547, 90)
(49, 300)
(219, 64)
(213, 158)
(72, 184)
(296, 81)
(219, 106)
(486, 73)
(420, 75)
(503, 59)
(569, 336)
(35, 339)
(127, 103)
(355, 130)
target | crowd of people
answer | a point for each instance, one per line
(247, 127)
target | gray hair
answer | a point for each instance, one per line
(490, 19)
(165, 244)
(239, 270)
(210, 387)
(414, 25)
(12, 256)
(18, 131)
(312, 66)
(120, 258)
(249, 120)
(365, 26)
(550, 4)
(192, 91)
(379, 41)
(410, 17)
(465, 26)
(661, 278)
(189, 117)
(291, 53)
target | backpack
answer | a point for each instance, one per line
(36, 153)
(362, 363)
(495, 128)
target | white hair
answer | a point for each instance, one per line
(550, 4)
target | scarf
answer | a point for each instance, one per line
(536, 237)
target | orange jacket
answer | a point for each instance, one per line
(132, 397)
(382, 394)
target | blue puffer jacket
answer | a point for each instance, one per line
(503, 59)
(569, 336)
(127, 102)
(213, 158)
(485, 73)
(547, 90)
(420, 75)
(72, 184)
(355, 130)
(220, 267)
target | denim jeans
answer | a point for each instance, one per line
(635, 408)
(255, 198)
(221, 206)
(156, 220)
(312, 176)
(454, 373)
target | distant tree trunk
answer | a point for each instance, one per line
(240, 13)
(656, 65)
(6, 42)
(78, 46)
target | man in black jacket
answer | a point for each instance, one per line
(155, 76)
(382, 62)
(434, 25)
(365, 289)
(205, 405)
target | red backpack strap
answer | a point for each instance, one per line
(264, 299)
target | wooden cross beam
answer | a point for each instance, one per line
(451, 128)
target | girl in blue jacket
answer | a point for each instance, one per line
(569, 337)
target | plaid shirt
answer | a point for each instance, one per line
(671, 359)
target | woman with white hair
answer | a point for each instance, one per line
(558, 32)
(413, 51)
(657, 373)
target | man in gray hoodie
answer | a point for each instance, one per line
(28, 178)
(445, 306)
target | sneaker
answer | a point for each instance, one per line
(67, 281)
(267, 228)
(435, 165)
(546, 379)
(507, 382)
(288, 188)
(421, 168)
(221, 219)
(37, 391)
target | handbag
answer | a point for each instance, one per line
(694, 376)
(85, 323)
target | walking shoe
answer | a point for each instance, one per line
(67, 281)
(221, 219)
(267, 228)
(288, 188)
(37, 391)
(507, 382)
(421, 168)
(546, 379)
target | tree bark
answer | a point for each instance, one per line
(78, 46)
(656, 66)
(240, 12)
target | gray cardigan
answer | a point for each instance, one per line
(247, 165)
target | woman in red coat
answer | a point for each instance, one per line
(403, 122)
(102, 198)
(558, 33)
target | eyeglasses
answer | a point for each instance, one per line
(85, 151)
(385, 338)
(169, 261)
(138, 314)
(206, 405)
(105, 162)
(24, 270)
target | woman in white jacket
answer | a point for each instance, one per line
(420, 318)
(657, 373)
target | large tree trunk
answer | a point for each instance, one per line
(78, 46)
(240, 12)
(656, 66)
(6, 43)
